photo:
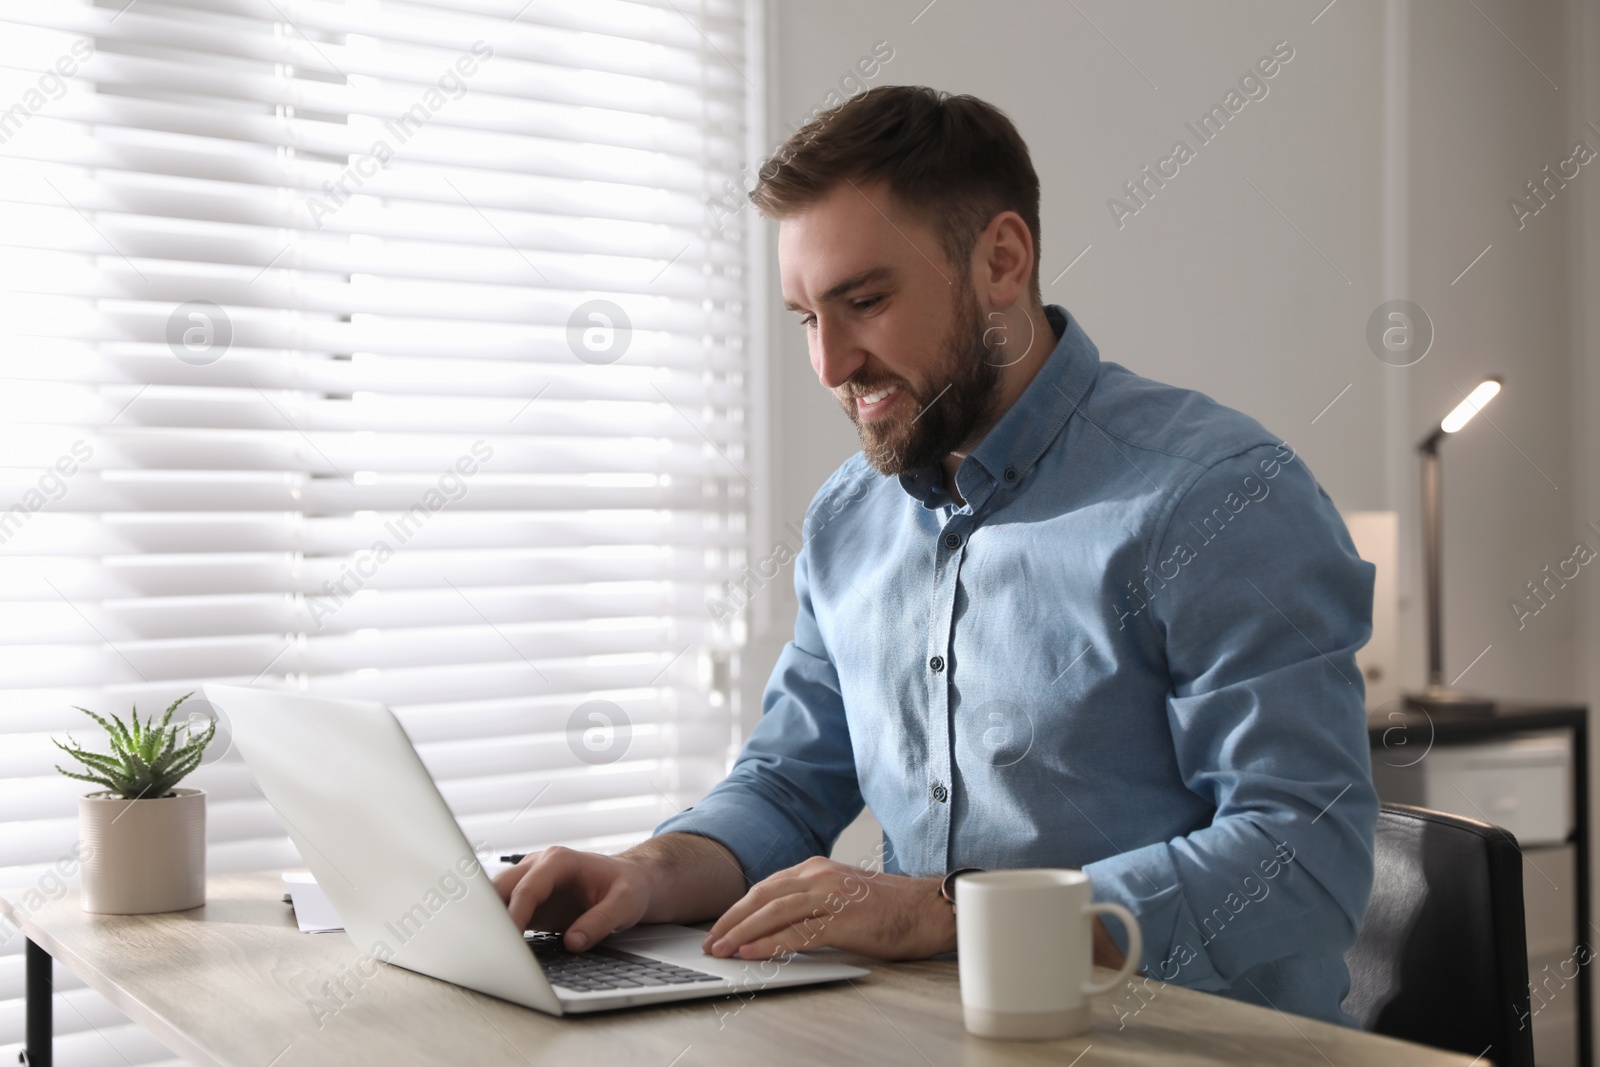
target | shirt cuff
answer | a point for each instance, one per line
(1146, 883)
(761, 840)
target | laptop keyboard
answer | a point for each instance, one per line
(606, 968)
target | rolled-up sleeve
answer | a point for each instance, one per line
(793, 789)
(1263, 607)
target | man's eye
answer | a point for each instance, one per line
(808, 321)
(868, 304)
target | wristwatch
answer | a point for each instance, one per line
(947, 888)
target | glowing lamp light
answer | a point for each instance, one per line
(1486, 391)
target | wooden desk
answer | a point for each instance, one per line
(229, 983)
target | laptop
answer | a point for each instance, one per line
(370, 823)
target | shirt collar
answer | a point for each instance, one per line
(1015, 443)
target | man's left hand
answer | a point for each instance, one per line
(821, 903)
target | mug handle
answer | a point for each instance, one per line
(1135, 945)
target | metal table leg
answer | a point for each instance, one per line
(38, 1051)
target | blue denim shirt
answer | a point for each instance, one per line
(1131, 651)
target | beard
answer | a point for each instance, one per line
(948, 411)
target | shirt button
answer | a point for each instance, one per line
(1010, 475)
(939, 792)
(952, 540)
(936, 663)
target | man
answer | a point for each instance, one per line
(1052, 615)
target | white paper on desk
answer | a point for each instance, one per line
(312, 910)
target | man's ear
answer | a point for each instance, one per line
(1002, 267)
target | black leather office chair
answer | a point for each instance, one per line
(1442, 958)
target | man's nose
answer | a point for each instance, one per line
(834, 356)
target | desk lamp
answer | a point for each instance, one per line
(1438, 696)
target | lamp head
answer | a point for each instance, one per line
(1475, 401)
(1463, 412)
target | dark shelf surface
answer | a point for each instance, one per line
(1418, 727)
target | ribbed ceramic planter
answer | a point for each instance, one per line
(143, 856)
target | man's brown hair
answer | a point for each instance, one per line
(954, 162)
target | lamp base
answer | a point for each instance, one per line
(1442, 700)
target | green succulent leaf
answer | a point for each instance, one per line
(89, 778)
(119, 735)
(136, 763)
(172, 707)
(93, 760)
(167, 745)
(198, 744)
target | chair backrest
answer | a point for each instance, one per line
(1442, 958)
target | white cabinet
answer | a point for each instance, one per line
(1523, 784)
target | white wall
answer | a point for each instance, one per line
(1252, 274)
(1484, 121)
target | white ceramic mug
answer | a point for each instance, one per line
(1026, 945)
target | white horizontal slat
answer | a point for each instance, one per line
(416, 569)
(663, 256)
(126, 160)
(657, 264)
(485, 92)
(470, 209)
(60, 621)
(50, 161)
(397, 418)
(346, 455)
(64, 534)
(525, 384)
(474, 124)
(511, 303)
(112, 491)
(415, 143)
(535, 646)
(469, 689)
(542, 346)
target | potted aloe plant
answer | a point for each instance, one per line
(144, 839)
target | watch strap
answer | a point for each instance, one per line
(947, 887)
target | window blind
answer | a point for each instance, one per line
(374, 350)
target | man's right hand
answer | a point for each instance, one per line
(674, 878)
(588, 895)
